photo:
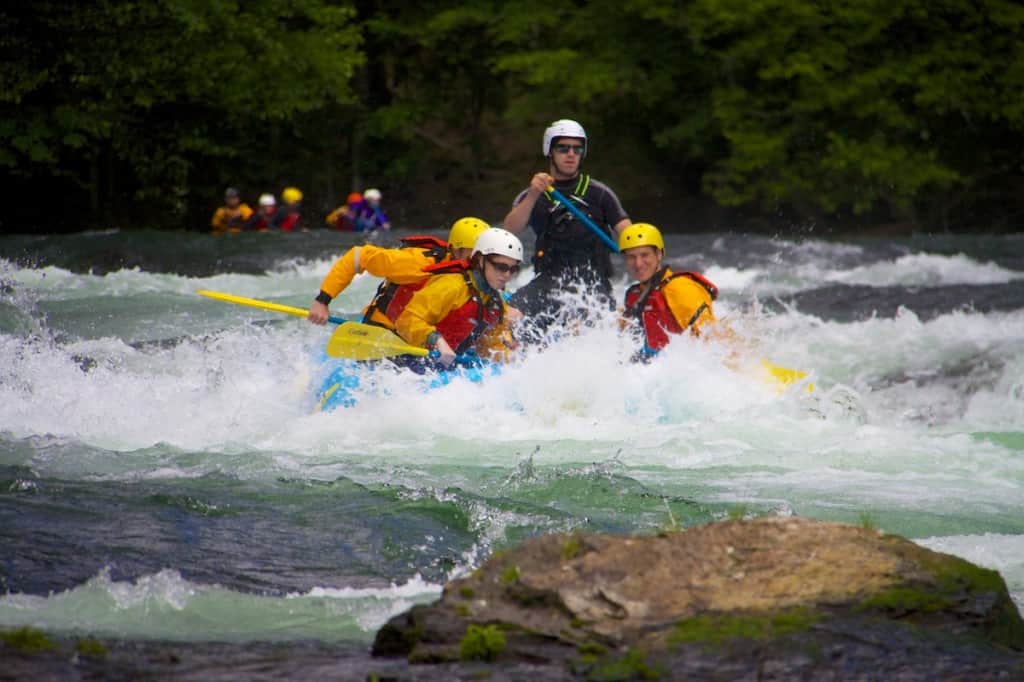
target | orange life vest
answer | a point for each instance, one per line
(462, 327)
(391, 298)
(651, 309)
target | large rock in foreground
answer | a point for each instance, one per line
(769, 599)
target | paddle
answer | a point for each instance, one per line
(586, 221)
(358, 341)
(785, 376)
(266, 305)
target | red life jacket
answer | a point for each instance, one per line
(462, 327)
(651, 309)
(391, 298)
(289, 222)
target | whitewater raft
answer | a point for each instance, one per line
(343, 382)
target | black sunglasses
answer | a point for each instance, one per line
(504, 268)
(566, 148)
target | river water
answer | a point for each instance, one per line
(164, 474)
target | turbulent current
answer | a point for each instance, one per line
(164, 474)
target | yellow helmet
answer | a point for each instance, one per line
(640, 234)
(291, 195)
(465, 231)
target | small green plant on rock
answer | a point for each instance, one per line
(632, 666)
(510, 575)
(91, 648)
(27, 640)
(482, 643)
(572, 547)
(867, 521)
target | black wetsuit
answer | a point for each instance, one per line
(568, 256)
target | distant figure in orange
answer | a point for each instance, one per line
(233, 216)
(344, 217)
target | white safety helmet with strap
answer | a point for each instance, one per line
(498, 242)
(267, 200)
(565, 127)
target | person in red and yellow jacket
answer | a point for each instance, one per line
(233, 215)
(404, 271)
(461, 311)
(344, 217)
(662, 303)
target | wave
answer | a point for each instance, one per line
(166, 606)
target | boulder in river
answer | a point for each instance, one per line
(770, 598)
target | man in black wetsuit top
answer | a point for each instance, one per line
(568, 256)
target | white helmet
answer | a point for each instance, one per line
(372, 195)
(499, 242)
(565, 127)
(267, 200)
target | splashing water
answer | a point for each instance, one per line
(164, 472)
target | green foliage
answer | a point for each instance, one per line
(481, 643)
(91, 648)
(631, 666)
(466, 592)
(719, 628)
(873, 108)
(510, 575)
(904, 600)
(867, 522)
(739, 512)
(27, 640)
(159, 88)
(572, 547)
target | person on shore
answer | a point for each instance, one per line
(343, 218)
(370, 216)
(568, 255)
(661, 304)
(464, 311)
(404, 270)
(266, 217)
(233, 215)
(290, 215)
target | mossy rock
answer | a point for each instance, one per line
(717, 628)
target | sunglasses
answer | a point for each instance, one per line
(504, 268)
(566, 148)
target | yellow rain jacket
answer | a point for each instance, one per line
(443, 298)
(399, 266)
(227, 219)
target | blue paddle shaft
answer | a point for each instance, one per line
(586, 221)
(337, 320)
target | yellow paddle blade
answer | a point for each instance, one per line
(358, 341)
(784, 376)
(252, 302)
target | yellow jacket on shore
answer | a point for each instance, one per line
(456, 307)
(230, 219)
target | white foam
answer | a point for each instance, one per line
(167, 606)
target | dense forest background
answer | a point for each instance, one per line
(702, 114)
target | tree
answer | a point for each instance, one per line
(153, 91)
